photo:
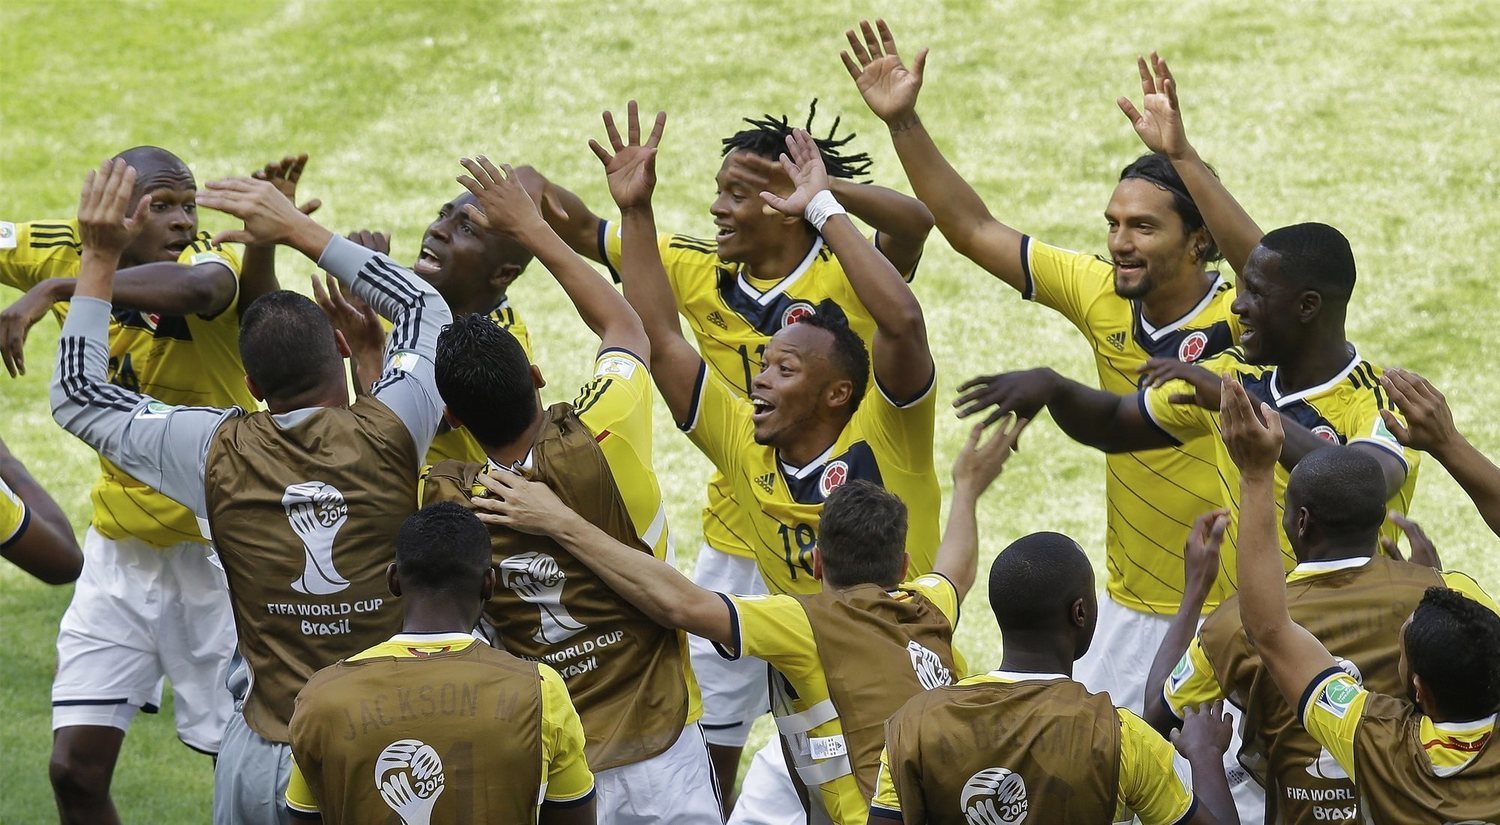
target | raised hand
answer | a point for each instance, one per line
(104, 227)
(350, 315)
(1022, 393)
(1429, 423)
(1206, 729)
(1254, 447)
(501, 202)
(1201, 552)
(514, 502)
(16, 322)
(1160, 126)
(1423, 551)
(803, 163)
(1205, 384)
(269, 217)
(978, 465)
(284, 177)
(629, 165)
(889, 88)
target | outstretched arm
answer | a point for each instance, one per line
(630, 168)
(503, 205)
(1160, 128)
(1293, 656)
(1204, 738)
(903, 222)
(1429, 427)
(890, 89)
(975, 469)
(652, 585)
(258, 274)
(43, 543)
(565, 212)
(1200, 569)
(899, 353)
(1102, 420)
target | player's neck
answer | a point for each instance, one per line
(1169, 303)
(437, 615)
(1338, 551)
(1317, 361)
(327, 396)
(777, 262)
(509, 455)
(481, 304)
(813, 440)
(1036, 653)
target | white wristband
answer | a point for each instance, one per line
(822, 207)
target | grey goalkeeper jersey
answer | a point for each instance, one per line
(164, 446)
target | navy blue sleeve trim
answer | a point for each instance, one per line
(572, 803)
(1029, 290)
(885, 813)
(20, 531)
(306, 816)
(1188, 817)
(603, 351)
(1140, 398)
(1307, 693)
(905, 276)
(903, 404)
(1162, 697)
(692, 417)
(603, 243)
(734, 630)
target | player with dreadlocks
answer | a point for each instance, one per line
(762, 270)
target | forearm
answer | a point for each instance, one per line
(1263, 610)
(257, 274)
(1478, 477)
(417, 311)
(1235, 232)
(165, 288)
(903, 222)
(1102, 420)
(606, 312)
(1211, 785)
(567, 214)
(1174, 644)
(40, 504)
(674, 362)
(879, 286)
(958, 554)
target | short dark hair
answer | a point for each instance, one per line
(442, 548)
(862, 535)
(147, 160)
(484, 377)
(287, 345)
(767, 136)
(1315, 256)
(850, 355)
(1158, 170)
(1453, 643)
(1035, 581)
(1342, 488)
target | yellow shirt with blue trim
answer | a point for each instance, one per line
(733, 315)
(1149, 787)
(565, 773)
(178, 360)
(885, 443)
(13, 515)
(1152, 496)
(1345, 409)
(459, 444)
(775, 629)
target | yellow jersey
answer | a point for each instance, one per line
(885, 443)
(1345, 409)
(13, 516)
(178, 360)
(775, 629)
(459, 444)
(1152, 496)
(565, 772)
(733, 316)
(1149, 788)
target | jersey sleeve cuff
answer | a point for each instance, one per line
(884, 813)
(1187, 815)
(582, 798)
(1312, 690)
(736, 640)
(908, 276)
(691, 422)
(1393, 449)
(1140, 398)
(602, 241)
(603, 351)
(20, 529)
(301, 812)
(1028, 287)
(915, 400)
(1167, 704)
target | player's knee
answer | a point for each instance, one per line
(78, 773)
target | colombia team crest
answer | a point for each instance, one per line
(796, 312)
(1192, 347)
(834, 476)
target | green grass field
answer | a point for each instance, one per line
(1368, 116)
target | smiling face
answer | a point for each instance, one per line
(1148, 242)
(744, 227)
(798, 384)
(460, 258)
(1270, 309)
(171, 219)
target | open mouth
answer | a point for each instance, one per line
(177, 247)
(427, 263)
(760, 409)
(1129, 268)
(725, 233)
(1246, 332)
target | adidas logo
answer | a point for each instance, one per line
(1117, 340)
(766, 481)
(717, 320)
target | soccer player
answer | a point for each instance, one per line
(1425, 754)
(629, 677)
(463, 732)
(1027, 741)
(760, 272)
(1153, 297)
(830, 706)
(35, 534)
(1346, 594)
(300, 499)
(149, 603)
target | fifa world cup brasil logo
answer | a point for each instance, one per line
(316, 511)
(409, 776)
(537, 579)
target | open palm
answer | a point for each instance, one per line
(1159, 120)
(804, 165)
(889, 88)
(629, 165)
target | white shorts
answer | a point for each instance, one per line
(734, 692)
(676, 785)
(140, 613)
(767, 796)
(1125, 644)
(250, 778)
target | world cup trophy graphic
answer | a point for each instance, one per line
(994, 796)
(409, 776)
(316, 511)
(537, 579)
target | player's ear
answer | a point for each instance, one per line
(487, 588)
(840, 392)
(342, 344)
(905, 566)
(536, 377)
(453, 422)
(254, 389)
(393, 580)
(1309, 306)
(1419, 694)
(505, 275)
(817, 560)
(1079, 613)
(1304, 518)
